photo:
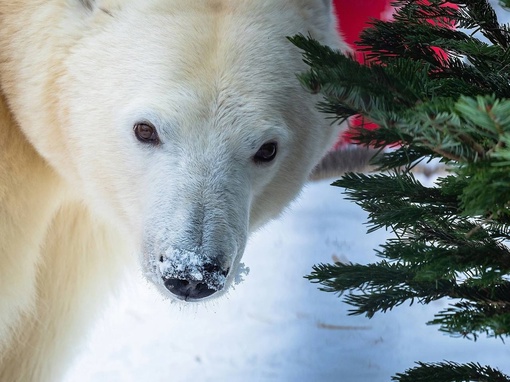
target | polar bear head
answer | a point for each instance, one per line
(182, 121)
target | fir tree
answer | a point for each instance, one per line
(451, 240)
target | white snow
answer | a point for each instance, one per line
(180, 264)
(275, 325)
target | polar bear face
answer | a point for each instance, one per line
(183, 122)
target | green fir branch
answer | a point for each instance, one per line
(468, 319)
(382, 286)
(451, 372)
(437, 82)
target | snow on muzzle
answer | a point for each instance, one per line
(190, 276)
(197, 250)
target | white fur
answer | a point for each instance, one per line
(80, 196)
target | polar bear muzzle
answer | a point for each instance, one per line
(195, 284)
(190, 276)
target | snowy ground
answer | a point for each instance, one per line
(276, 326)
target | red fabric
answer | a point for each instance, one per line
(353, 17)
(440, 52)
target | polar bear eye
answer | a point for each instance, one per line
(266, 153)
(146, 133)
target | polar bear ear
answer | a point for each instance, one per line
(324, 24)
(328, 4)
(89, 4)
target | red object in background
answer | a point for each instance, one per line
(353, 17)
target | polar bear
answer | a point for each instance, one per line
(156, 131)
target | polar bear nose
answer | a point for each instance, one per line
(187, 287)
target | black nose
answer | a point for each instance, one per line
(187, 288)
